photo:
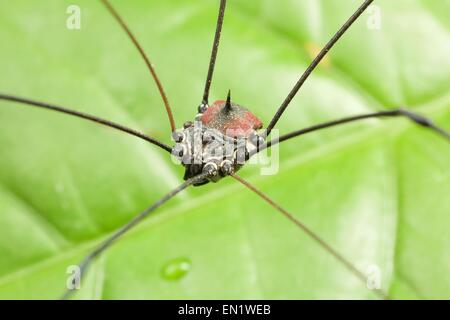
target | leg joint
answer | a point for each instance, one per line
(417, 118)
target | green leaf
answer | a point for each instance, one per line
(376, 191)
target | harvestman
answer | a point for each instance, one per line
(224, 136)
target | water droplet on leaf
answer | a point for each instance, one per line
(176, 269)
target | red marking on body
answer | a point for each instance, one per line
(239, 122)
(211, 113)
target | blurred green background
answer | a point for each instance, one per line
(377, 191)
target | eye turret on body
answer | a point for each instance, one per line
(218, 141)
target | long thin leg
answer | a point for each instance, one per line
(416, 118)
(311, 234)
(215, 48)
(86, 117)
(314, 64)
(150, 66)
(136, 220)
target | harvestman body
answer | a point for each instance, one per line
(224, 135)
(218, 142)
